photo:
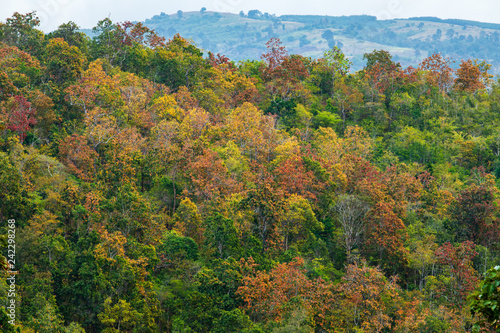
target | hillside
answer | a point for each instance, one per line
(150, 187)
(243, 36)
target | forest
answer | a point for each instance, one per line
(159, 188)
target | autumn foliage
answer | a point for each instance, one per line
(156, 188)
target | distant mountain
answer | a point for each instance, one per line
(243, 36)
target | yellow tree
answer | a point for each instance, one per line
(120, 317)
(95, 89)
(64, 62)
(187, 221)
(299, 222)
(253, 133)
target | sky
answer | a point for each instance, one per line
(86, 13)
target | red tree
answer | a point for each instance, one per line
(20, 115)
(458, 263)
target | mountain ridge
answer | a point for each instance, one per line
(243, 36)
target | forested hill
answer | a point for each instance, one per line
(149, 186)
(243, 36)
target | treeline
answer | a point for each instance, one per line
(484, 25)
(158, 189)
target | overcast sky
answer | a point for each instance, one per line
(87, 13)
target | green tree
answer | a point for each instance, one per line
(20, 31)
(10, 189)
(71, 35)
(221, 236)
(485, 302)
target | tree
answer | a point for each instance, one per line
(294, 178)
(96, 92)
(337, 63)
(177, 64)
(47, 318)
(283, 73)
(64, 62)
(472, 76)
(124, 44)
(210, 177)
(225, 89)
(351, 213)
(45, 113)
(4, 322)
(18, 70)
(235, 320)
(369, 301)
(474, 214)
(276, 54)
(20, 31)
(346, 97)
(136, 34)
(437, 71)
(299, 222)
(188, 221)
(381, 57)
(10, 189)
(174, 249)
(385, 235)
(267, 204)
(251, 131)
(422, 256)
(266, 294)
(118, 317)
(327, 35)
(20, 115)
(107, 42)
(486, 301)
(71, 35)
(221, 235)
(457, 261)
(254, 14)
(382, 72)
(124, 274)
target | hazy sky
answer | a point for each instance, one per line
(86, 13)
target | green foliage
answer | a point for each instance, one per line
(221, 236)
(233, 321)
(4, 322)
(177, 248)
(434, 325)
(297, 323)
(10, 189)
(485, 302)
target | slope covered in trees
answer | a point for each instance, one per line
(242, 37)
(156, 188)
